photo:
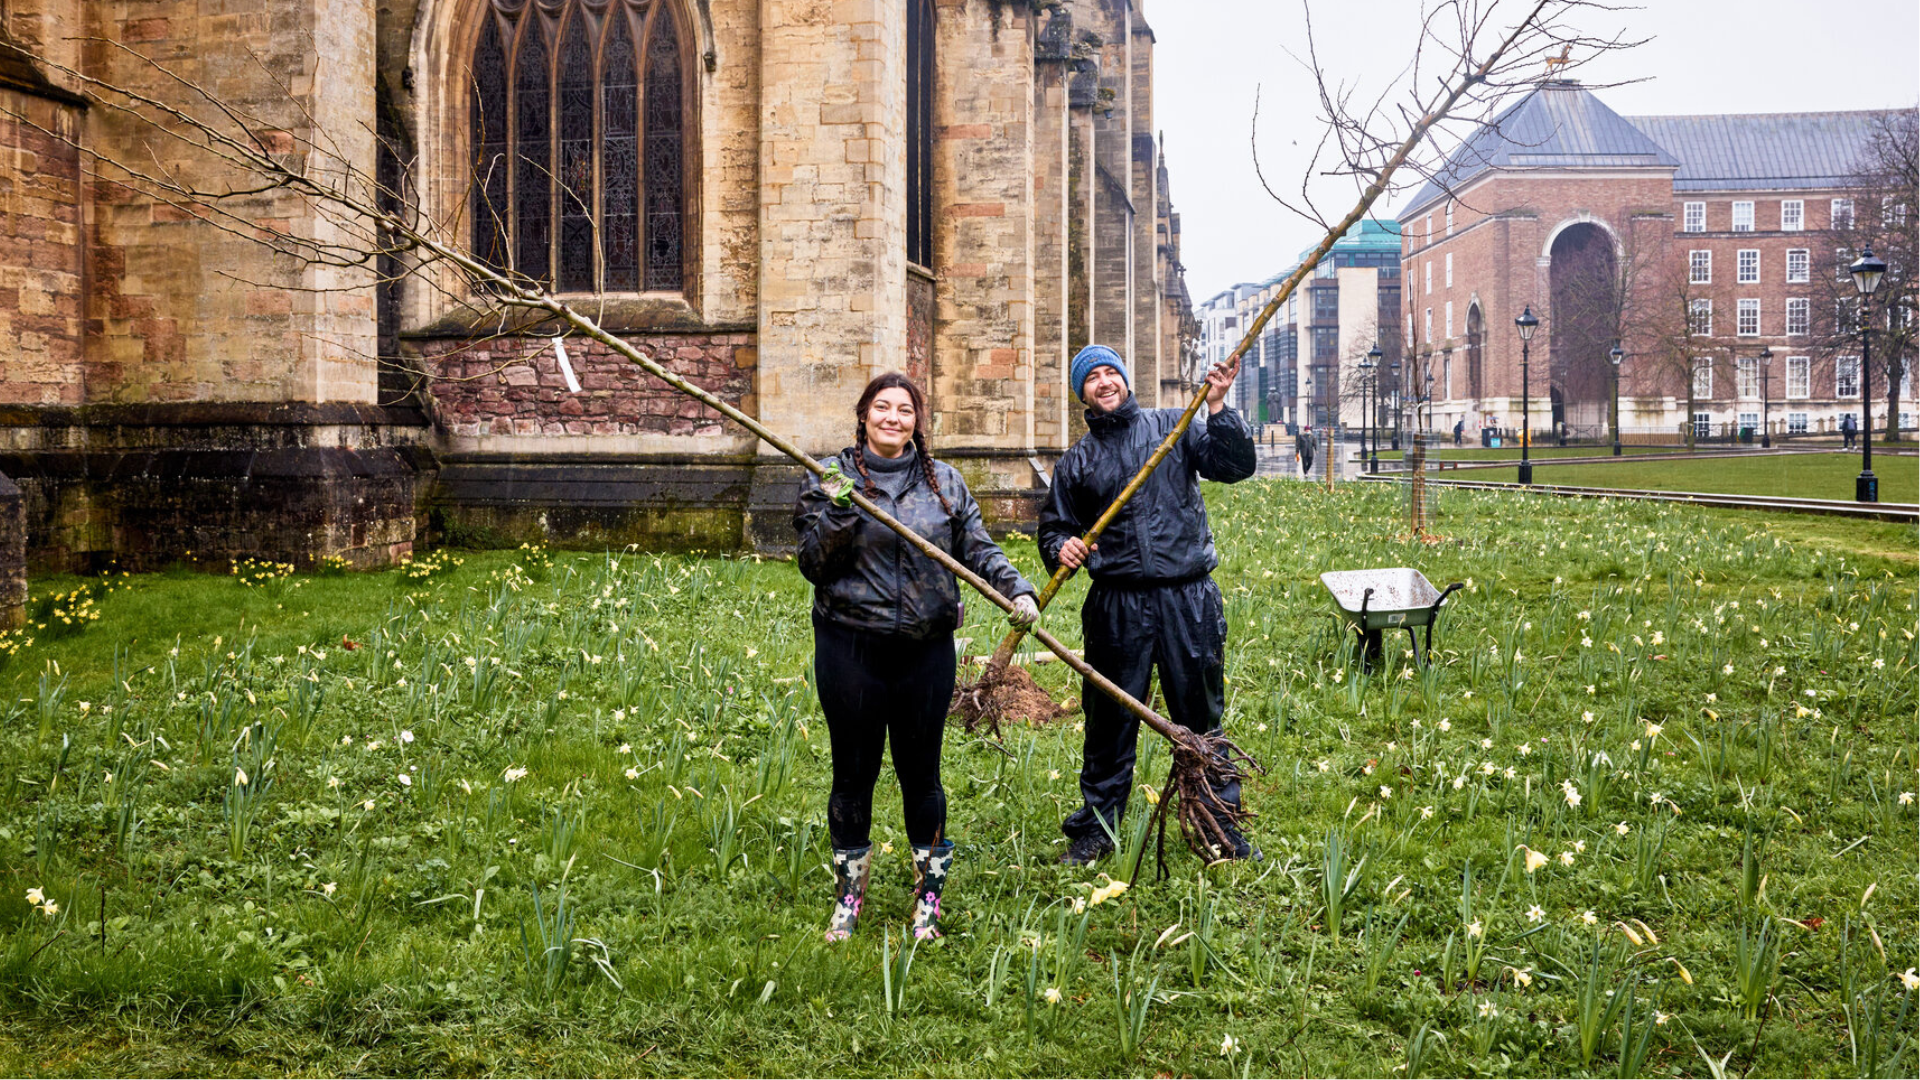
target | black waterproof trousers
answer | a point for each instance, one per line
(1179, 628)
(873, 686)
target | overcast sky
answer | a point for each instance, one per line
(1705, 56)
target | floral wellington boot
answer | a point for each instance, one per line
(850, 868)
(930, 866)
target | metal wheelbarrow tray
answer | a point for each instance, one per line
(1373, 601)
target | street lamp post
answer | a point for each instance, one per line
(1766, 399)
(1615, 355)
(1397, 401)
(1867, 272)
(1372, 366)
(1527, 324)
(1427, 400)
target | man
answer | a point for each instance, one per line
(1848, 428)
(1303, 449)
(1153, 603)
(1459, 430)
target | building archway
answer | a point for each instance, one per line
(1583, 314)
(1476, 339)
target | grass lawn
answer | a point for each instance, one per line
(1814, 476)
(1484, 453)
(521, 813)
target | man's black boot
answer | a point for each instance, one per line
(1086, 850)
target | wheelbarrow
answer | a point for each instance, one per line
(1374, 601)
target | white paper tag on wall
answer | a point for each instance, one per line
(566, 368)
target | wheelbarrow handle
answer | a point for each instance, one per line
(1433, 615)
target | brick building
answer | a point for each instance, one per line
(1623, 229)
(784, 197)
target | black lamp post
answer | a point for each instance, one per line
(1428, 401)
(1372, 367)
(1615, 355)
(1867, 272)
(1527, 324)
(1766, 399)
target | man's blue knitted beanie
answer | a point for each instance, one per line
(1092, 357)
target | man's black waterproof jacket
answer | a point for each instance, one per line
(1162, 534)
(866, 577)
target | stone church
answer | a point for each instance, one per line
(782, 198)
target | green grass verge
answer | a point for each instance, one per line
(1811, 476)
(1483, 453)
(1703, 720)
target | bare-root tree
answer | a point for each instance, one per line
(1883, 217)
(1453, 88)
(218, 161)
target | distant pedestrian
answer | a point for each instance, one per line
(1303, 445)
(1849, 429)
(1459, 430)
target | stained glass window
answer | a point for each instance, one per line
(490, 209)
(664, 160)
(533, 155)
(620, 162)
(575, 177)
(920, 132)
(579, 143)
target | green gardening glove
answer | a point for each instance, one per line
(837, 485)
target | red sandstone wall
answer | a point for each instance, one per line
(513, 386)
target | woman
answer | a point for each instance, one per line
(883, 620)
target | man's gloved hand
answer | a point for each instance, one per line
(1025, 612)
(837, 485)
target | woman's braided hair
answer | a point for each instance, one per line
(892, 380)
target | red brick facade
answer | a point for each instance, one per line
(1503, 239)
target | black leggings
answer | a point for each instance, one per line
(871, 685)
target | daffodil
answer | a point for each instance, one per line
(1475, 929)
(1535, 859)
(1910, 980)
(1588, 918)
(1228, 1045)
(1535, 914)
(1052, 995)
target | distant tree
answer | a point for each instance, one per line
(1680, 329)
(1884, 182)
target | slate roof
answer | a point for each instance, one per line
(1557, 125)
(1760, 151)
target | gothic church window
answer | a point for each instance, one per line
(580, 127)
(920, 91)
